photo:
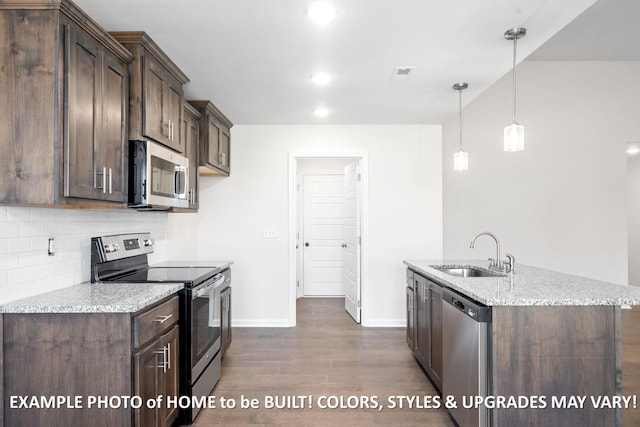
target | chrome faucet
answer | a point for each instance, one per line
(497, 263)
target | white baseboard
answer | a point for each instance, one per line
(260, 323)
(386, 323)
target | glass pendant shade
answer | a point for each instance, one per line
(460, 161)
(514, 137)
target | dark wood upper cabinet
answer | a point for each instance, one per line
(64, 115)
(215, 140)
(191, 142)
(156, 96)
(96, 91)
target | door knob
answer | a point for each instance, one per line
(344, 245)
(306, 244)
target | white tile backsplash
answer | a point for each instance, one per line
(25, 267)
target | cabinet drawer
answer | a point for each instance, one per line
(152, 322)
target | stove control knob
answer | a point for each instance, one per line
(148, 242)
(116, 247)
(108, 248)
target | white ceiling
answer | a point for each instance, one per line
(253, 58)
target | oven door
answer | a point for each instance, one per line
(205, 324)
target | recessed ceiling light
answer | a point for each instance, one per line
(321, 12)
(321, 112)
(321, 79)
(633, 147)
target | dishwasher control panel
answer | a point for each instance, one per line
(477, 311)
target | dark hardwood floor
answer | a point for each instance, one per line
(326, 354)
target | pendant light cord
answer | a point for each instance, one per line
(460, 115)
(515, 42)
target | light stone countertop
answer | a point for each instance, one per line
(529, 286)
(106, 297)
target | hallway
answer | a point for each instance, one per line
(327, 354)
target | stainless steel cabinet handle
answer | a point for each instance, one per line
(110, 182)
(164, 359)
(164, 318)
(104, 180)
(168, 355)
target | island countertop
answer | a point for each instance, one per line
(105, 297)
(528, 286)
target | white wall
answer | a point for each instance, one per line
(405, 212)
(633, 203)
(25, 267)
(561, 203)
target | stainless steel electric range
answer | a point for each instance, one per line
(124, 258)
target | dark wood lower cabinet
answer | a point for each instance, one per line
(91, 355)
(427, 296)
(156, 374)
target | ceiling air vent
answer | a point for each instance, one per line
(401, 73)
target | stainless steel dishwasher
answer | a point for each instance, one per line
(465, 370)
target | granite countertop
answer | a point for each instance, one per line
(95, 298)
(529, 286)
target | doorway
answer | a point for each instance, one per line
(331, 240)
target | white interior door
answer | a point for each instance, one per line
(322, 238)
(351, 251)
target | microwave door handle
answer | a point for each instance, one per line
(180, 181)
(176, 181)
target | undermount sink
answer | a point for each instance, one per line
(466, 271)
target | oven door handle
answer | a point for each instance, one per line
(217, 281)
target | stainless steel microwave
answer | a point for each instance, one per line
(158, 177)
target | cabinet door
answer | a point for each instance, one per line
(83, 178)
(435, 332)
(170, 382)
(410, 331)
(113, 137)
(162, 106)
(154, 101)
(213, 143)
(191, 132)
(173, 115)
(96, 95)
(422, 320)
(146, 366)
(224, 148)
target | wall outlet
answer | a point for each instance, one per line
(269, 232)
(51, 246)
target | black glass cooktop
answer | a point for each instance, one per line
(187, 275)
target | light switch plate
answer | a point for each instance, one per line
(269, 232)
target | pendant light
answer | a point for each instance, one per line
(460, 158)
(514, 133)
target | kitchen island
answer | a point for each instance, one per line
(551, 335)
